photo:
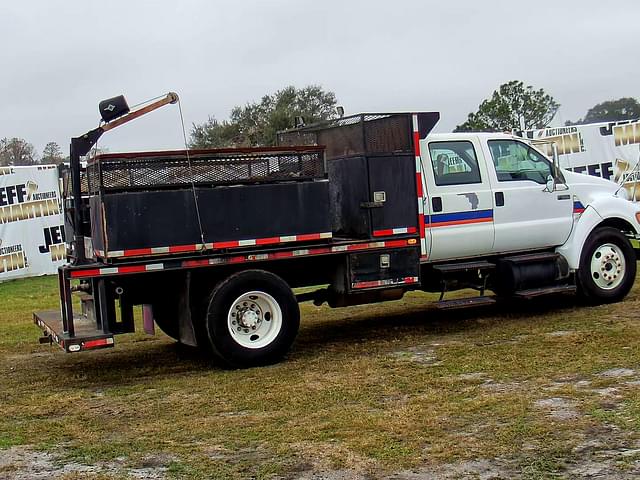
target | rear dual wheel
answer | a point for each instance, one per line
(252, 319)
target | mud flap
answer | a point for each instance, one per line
(186, 331)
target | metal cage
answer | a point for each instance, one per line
(153, 170)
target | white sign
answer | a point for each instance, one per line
(607, 150)
(31, 222)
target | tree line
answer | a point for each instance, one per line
(17, 152)
(512, 106)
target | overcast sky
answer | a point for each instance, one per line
(60, 57)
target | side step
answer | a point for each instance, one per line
(538, 292)
(533, 257)
(465, 302)
(87, 336)
(464, 267)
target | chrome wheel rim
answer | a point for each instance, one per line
(608, 266)
(254, 319)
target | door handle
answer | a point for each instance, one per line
(499, 199)
(564, 197)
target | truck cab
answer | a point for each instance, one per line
(492, 188)
(496, 195)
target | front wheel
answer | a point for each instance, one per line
(607, 266)
(252, 319)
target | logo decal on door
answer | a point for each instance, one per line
(473, 199)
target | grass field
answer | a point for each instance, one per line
(541, 389)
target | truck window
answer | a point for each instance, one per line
(454, 163)
(514, 160)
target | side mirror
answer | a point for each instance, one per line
(551, 184)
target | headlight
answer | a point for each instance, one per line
(622, 193)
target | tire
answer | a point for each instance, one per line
(252, 319)
(607, 266)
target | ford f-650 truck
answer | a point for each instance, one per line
(211, 243)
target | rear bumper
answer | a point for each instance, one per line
(86, 337)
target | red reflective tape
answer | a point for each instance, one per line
(95, 343)
(460, 222)
(195, 263)
(419, 184)
(267, 241)
(421, 222)
(395, 243)
(281, 255)
(137, 251)
(384, 283)
(237, 260)
(85, 273)
(358, 246)
(228, 244)
(183, 248)
(370, 284)
(132, 269)
(308, 236)
(416, 143)
(390, 231)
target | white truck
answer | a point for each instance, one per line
(212, 243)
(503, 197)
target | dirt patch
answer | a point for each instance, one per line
(342, 474)
(606, 392)
(422, 355)
(620, 463)
(496, 387)
(559, 408)
(482, 469)
(472, 376)
(24, 463)
(617, 373)
(561, 333)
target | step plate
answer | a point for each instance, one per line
(533, 257)
(539, 292)
(87, 336)
(465, 302)
(464, 267)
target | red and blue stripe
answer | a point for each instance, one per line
(458, 218)
(578, 207)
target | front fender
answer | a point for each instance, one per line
(597, 212)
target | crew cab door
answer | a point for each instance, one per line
(526, 216)
(458, 212)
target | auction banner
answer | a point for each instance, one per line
(31, 222)
(607, 150)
